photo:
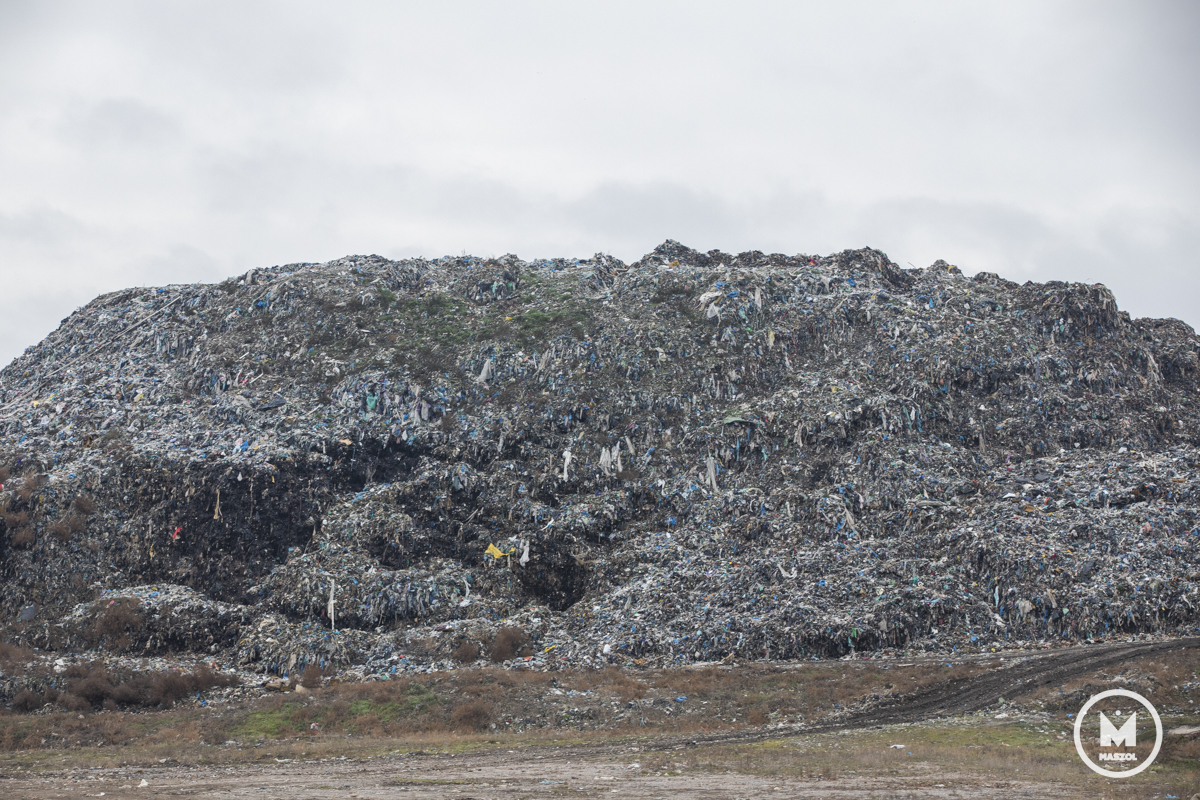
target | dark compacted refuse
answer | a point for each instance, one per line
(368, 464)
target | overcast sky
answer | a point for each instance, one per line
(154, 143)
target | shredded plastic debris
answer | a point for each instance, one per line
(696, 457)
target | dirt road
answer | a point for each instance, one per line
(1019, 674)
(541, 773)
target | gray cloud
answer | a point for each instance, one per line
(149, 143)
(122, 123)
(41, 227)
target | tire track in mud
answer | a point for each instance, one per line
(965, 695)
(957, 696)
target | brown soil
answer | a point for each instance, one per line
(845, 753)
(552, 773)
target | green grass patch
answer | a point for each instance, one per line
(288, 719)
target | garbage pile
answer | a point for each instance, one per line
(698, 456)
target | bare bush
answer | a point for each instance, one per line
(71, 702)
(311, 677)
(466, 652)
(31, 484)
(473, 715)
(91, 686)
(113, 623)
(14, 520)
(94, 689)
(13, 656)
(61, 529)
(509, 643)
(27, 701)
(164, 689)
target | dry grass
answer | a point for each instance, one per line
(499, 683)
(957, 754)
(962, 757)
(459, 709)
(1156, 677)
(424, 646)
(614, 682)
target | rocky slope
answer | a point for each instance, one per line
(694, 456)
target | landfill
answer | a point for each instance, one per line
(696, 457)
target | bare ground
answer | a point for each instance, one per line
(561, 774)
(948, 749)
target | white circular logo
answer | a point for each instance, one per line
(1124, 737)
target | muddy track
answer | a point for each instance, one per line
(958, 696)
(964, 695)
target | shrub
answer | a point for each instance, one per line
(27, 701)
(76, 523)
(311, 677)
(71, 702)
(170, 688)
(112, 623)
(136, 692)
(30, 485)
(12, 656)
(466, 652)
(24, 537)
(153, 690)
(509, 643)
(61, 529)
(205, 678)
(84, 505)
(16, 519)
(94, 689)
(473, 715)
(150, 691)
(3, 474)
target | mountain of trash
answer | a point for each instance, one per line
(378, 465)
